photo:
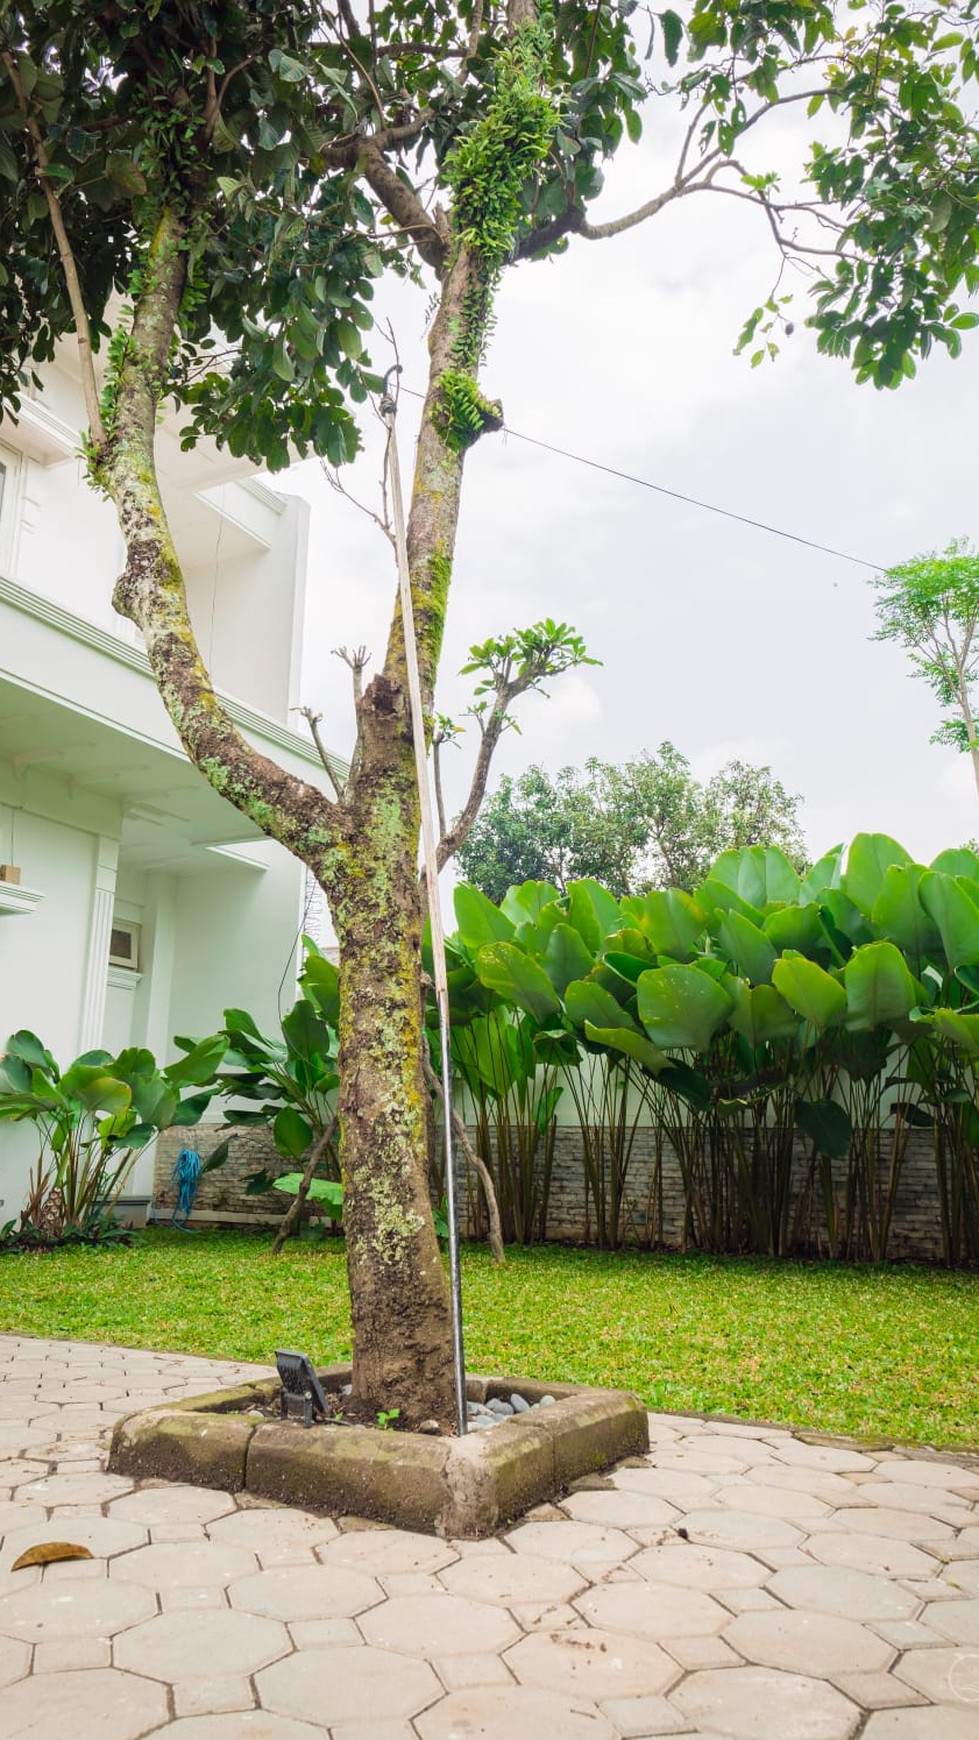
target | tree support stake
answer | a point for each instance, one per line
(389, 412)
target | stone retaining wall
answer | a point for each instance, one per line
(653, 1209)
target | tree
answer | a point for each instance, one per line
(242, 173)
(930, 607)
(648, 824)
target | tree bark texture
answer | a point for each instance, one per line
(363, 850)
(398, 1292)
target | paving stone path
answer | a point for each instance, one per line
(739, 1581)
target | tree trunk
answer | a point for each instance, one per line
(398, 1293)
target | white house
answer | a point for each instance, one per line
(145, 904)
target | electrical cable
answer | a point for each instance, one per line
(678, 495)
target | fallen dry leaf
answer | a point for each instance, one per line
(50, 1553)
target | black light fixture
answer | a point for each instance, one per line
(302, 1393)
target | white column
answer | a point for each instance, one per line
(99, 933)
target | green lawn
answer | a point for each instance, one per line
(887, 1351)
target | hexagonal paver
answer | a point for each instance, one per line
(183, 1565)
(73, 1609)
(945, 1676)
(849, 1594)
(242, 1725)
(963, 1574)
(680, 1489)
(15, 1659)
(275, 1535)
(356, 1684)
(587, 1663)
(954, 1724)
(77, 1489)
(295, 1592)
(834, 1458)
(645, 1610)
(623, 1510)
(385, 1552)
(98, 1701)
(902, 1525)
(692, 1567)
(874, 1553)
(436, 1625)
(958, 1620)
(808, 1643)
(920, 1473)
(512, 1578)
(574, 1543)
(103, 1537)
(760, 1499)
(925, 1500)
(519, 1714)
(172, 1504)
(185, 1645)
(740, 1529)
(754, 1703)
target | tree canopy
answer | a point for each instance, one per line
(930, 607)
(646, 824)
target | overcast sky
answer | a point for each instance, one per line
(726, 640)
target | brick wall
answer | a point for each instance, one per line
(653, 1206)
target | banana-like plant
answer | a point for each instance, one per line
(840, 1008)
(91, 1120)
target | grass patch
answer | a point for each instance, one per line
(888, 1351)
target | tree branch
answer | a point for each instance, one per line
(402, 204)
(291, 1218)
(69, 267)
(313, 721)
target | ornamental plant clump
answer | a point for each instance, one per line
(839, 1009)
(91, 1121)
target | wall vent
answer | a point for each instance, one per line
(124, 945)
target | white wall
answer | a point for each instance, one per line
(236, 940)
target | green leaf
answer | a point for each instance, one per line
(566, 957)
(827, 1126)
(593, 911)
(680, 1006)
(305, 1031)
(957, 861)
(628, 1044)
(961, 1030)
(585, 1001)
(512, 974)
(795, 927)
(817, 998)
(900, 917)
(759, 1013)
(747, 947)
(524, 903)
(95, 1090)
(479, 921)
(945, 900)
(825, 874)
(879, 988)
(758, 874)
(200, 1065)
(870, 855)
(291, 1133)
(672, 27)
(671, 920)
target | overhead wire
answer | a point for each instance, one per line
(678, 495)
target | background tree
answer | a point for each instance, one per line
(930, 607)
(647, 824)
(243, 173)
